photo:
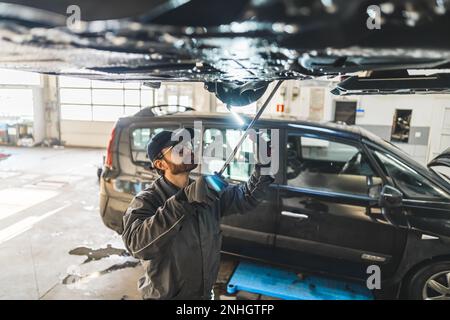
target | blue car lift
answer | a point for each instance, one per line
(283, 284)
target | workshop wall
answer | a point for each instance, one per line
(430, 119)
(93, 134)
(376, 114)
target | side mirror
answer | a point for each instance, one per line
(390, 202)
(390, 197)
(374, 192)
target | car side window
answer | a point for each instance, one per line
(327, 165)
(139, 140)
(410, 182)
(215, 152)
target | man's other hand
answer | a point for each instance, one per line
(199, 192)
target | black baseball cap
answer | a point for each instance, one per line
(164, 139)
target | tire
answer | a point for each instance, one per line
(99, 173)
(431, 282)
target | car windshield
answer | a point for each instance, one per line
(440, 174)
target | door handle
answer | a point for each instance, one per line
(300, 216)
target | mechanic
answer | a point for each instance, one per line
(173, 226)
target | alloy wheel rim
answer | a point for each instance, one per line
(437, 287)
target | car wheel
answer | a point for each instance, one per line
(432, 282)
(99, 172)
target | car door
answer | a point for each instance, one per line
(326, 219)
(251, 234)
(425, 199)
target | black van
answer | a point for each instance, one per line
(343, 200)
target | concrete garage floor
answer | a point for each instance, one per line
(53, 244)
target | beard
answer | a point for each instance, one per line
(181, 168)
(186, 166)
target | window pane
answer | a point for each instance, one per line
(106, 84)
(16, 103)
(70, 112)
(107, 97)
(107, 113)
(19, 77)
(132, 97)
(129, 111)
(217, 144)
(74, 82)
(132, 85)
(185, 90)
(140, 138)
(147, 98)
(185, 101)
(326, 150)
(327, 165)
(78, 96)
(407, 179)
(172, 100)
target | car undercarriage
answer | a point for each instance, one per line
(230, 44)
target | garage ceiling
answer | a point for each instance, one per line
(225, 41)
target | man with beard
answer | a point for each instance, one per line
(173, 226)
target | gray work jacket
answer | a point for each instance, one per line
(178, 242)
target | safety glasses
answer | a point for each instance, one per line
(182, 148)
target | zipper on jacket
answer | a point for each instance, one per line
(201, 253)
